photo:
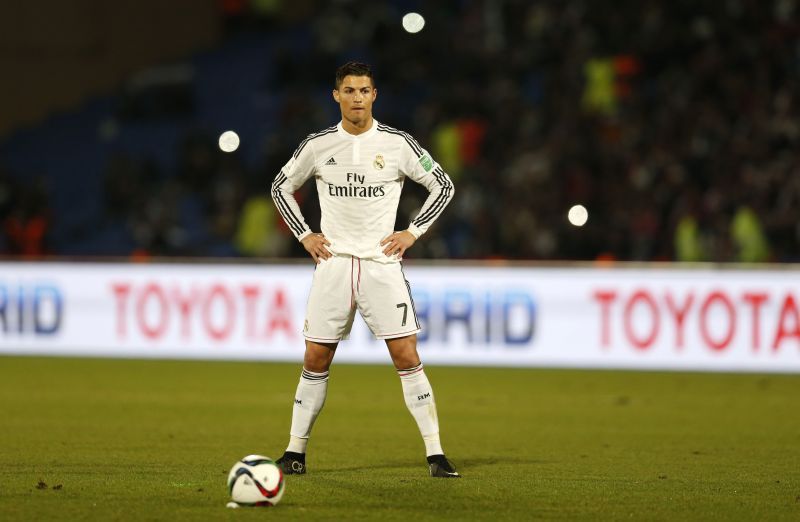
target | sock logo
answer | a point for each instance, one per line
(420, 397)
(298, 401)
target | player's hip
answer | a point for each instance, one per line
(341, 267)
(344, 284)
(373, 253)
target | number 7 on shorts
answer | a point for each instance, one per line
(404, 306)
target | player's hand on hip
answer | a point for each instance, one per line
(315, 244)
(398, 243)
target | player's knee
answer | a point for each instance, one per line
(403, 363)
(318, 357)
(404, 352)
(316, 364)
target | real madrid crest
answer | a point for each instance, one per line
(379, 162)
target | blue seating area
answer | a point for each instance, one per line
(71, 151)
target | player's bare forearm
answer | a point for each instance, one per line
(315, 244)
(398, 243)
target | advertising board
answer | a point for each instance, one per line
(718, 320)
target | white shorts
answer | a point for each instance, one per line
(379, 291)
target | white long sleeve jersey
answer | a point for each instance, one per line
(359, 180)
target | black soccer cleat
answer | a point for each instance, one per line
(441, 467)
(292, 463)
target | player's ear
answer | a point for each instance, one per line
(374, 94)
(336, 95)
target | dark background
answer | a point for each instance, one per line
(675, 123)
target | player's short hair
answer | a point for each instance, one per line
(353, 69)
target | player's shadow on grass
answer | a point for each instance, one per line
(375, 465)
(461, 464)
(479, 462)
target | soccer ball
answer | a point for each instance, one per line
(256, 481)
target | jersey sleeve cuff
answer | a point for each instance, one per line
(304, 235)
(415, 231)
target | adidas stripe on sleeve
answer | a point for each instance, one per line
(291, 177)
(418, 165)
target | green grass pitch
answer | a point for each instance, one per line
(85, 439)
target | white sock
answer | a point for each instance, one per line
(308, 401)
(419, 399)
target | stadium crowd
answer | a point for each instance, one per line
(676, 124)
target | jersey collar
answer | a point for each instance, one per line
(344, 134)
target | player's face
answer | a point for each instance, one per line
(355, 97)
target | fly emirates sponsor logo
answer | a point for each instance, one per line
(218, 312)
(356, 188)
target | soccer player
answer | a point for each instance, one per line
(359, 166)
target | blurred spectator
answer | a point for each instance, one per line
(257, 233)
(8, 193)
(748, 237)
(27, 224)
